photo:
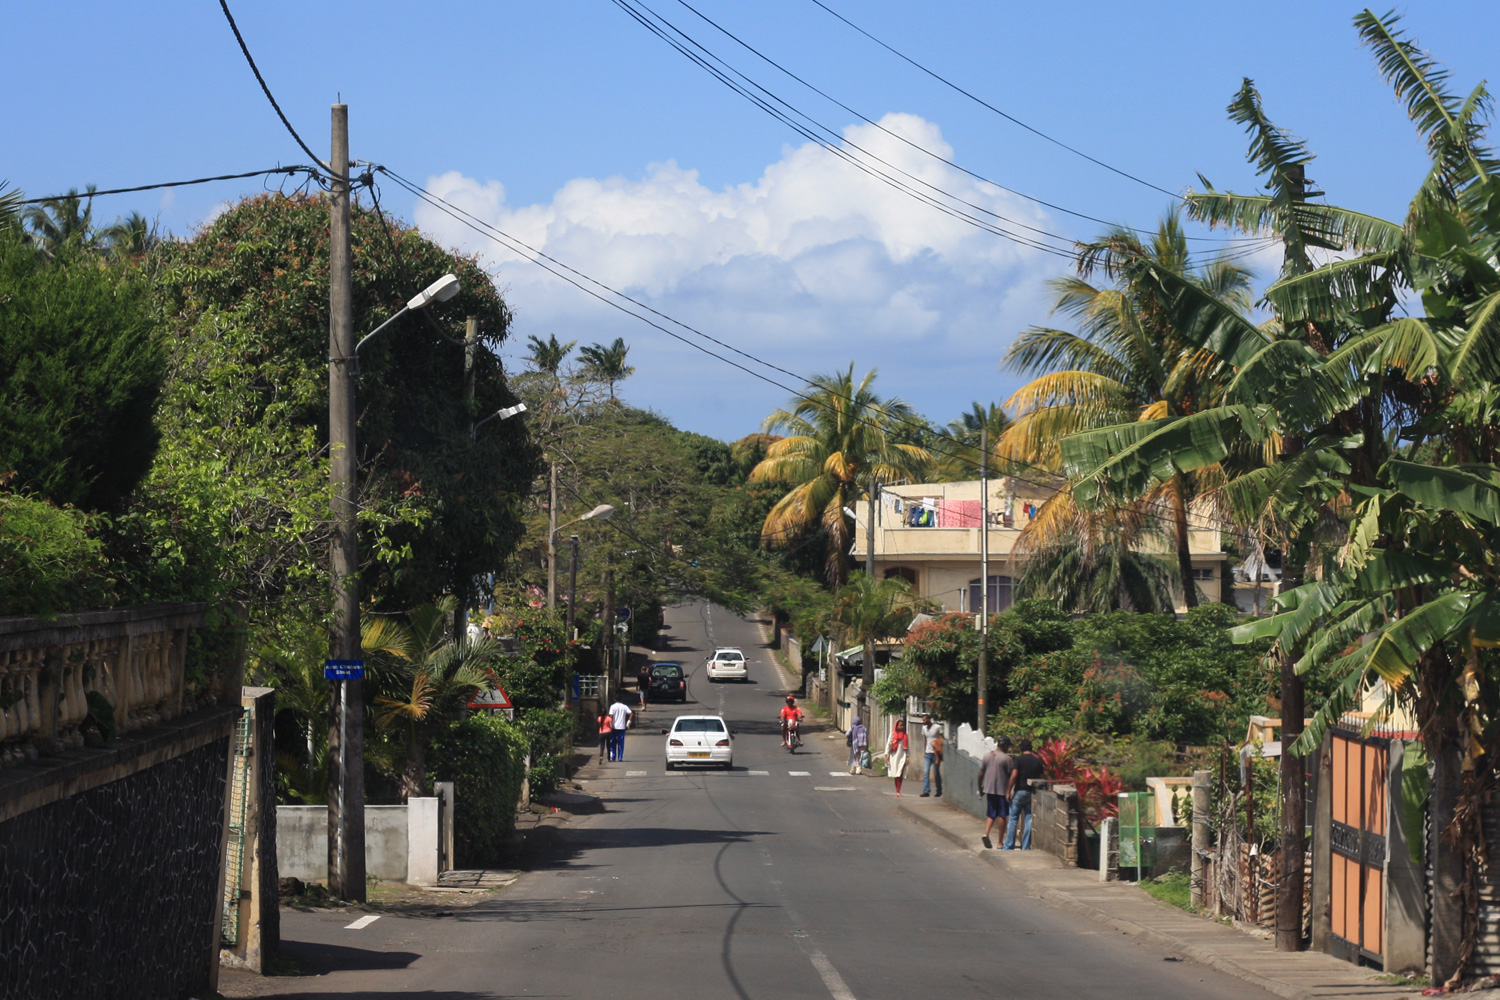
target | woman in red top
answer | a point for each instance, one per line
(897, 752)
(606, 730)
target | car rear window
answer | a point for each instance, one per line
(666, 670)
(700, 726)
(731, 656)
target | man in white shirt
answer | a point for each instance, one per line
(619, 716)
(932, 756)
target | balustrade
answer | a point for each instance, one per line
(134, 658)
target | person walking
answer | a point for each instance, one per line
(606, 734)
(994, 783)
(859, 742)
(1028, 768)
(643, 682)
(932, 756)
(619, 717)
(896, 753)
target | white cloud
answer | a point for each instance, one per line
(812, 265)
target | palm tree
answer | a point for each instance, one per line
(607, 364)
(130, 236)
(837, 442)
(1101, 560)
(959, 461)
(548, 355)
(57, 222)
(425, 679)
(873, 609)
(1127, 362)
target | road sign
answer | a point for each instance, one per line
(623, 614)
(495, 698)
(344, 670)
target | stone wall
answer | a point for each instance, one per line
(110, 865)
(1056, 821)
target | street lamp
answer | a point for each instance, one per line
(603, 512)
(346, 796)
(503, 414)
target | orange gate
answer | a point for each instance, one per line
(1358, 838)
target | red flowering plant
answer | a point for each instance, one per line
(1098, 790)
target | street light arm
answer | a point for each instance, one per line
(504, 414)
(366, 338)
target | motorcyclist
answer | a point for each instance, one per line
(791, 715)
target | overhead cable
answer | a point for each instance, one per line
(172, 184)
(224, 5)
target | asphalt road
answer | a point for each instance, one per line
(783, 877)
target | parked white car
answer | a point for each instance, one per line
(699, 739)
(727, 664)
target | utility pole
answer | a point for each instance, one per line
(984, 575)
(346, 786)
(471, 339)
(870, 530)
(552, 547)
(609, 626)
(572, 587)
(1289, 889)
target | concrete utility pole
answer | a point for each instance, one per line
(552, 547)
(1289, 890)
(870, 530)
(471, 340)
(984, 576)
(346, 786)
(572, 586)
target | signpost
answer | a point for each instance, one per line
(493, 701)
(344, 670)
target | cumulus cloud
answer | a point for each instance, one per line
(812, 265)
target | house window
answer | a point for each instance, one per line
(999, 594)
(902, 573)
(1203, 573)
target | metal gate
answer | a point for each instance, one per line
(1360, 772)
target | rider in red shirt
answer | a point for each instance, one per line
(791, 715)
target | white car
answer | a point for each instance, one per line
(699, 739)
(727, 664)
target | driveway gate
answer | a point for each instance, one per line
(1358, 838)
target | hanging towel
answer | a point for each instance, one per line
(959, 513)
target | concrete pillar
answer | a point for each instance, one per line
(1109, 850)
(444, 791)
(259, 916)
(422, 841)
(1202, 787)
(1405, 891)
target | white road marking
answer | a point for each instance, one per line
(635, 774)
(761, 773)
(362, 922)
(834, 788)
(840, 774)
(831, 978)
(800, 774)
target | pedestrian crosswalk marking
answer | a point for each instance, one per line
(635, 774)
(362, 922)
(838, 774)
(760, 774)
(834, 788)
(800, 774)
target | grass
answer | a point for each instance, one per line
(1174, 888)
(1396, 979)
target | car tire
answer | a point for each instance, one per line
(669, 765)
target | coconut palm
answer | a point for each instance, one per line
(837, 440)
(58, 222)
(958, 459)
(129, 236)
(424, 679)
(1127, 361)
(874, 609)
(548, 355)
(1099, 560)
(607, 363)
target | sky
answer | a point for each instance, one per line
(570, 127)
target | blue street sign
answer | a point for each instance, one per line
(623, 614)
(344, 670)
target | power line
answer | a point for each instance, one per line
(224, 5)
(173, 184)
(613, 298)
(983, 103)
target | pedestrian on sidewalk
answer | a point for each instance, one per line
(994, 782)
(1028, 768)
(619, 717)
(643, 683)
(896, 753)
(858, 741)
(606, 734)
(932, 756)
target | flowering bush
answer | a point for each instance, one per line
(1097, 789)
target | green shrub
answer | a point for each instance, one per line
(484, 756)
(50, 559)
(1172, 887)
(549, 732)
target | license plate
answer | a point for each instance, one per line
(697, 753)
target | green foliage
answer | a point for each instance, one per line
(484, 756)
(51, 559)
(1174, 888)
(81, 365)
(549, 732)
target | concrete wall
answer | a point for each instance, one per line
(402, 843)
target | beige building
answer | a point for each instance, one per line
(928, 534)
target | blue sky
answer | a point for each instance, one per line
(569, 125)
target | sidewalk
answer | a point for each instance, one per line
(1125, 908)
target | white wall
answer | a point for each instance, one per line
(401, 842)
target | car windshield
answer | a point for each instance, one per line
(666, 670)
(700, 725)
(731, 656)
